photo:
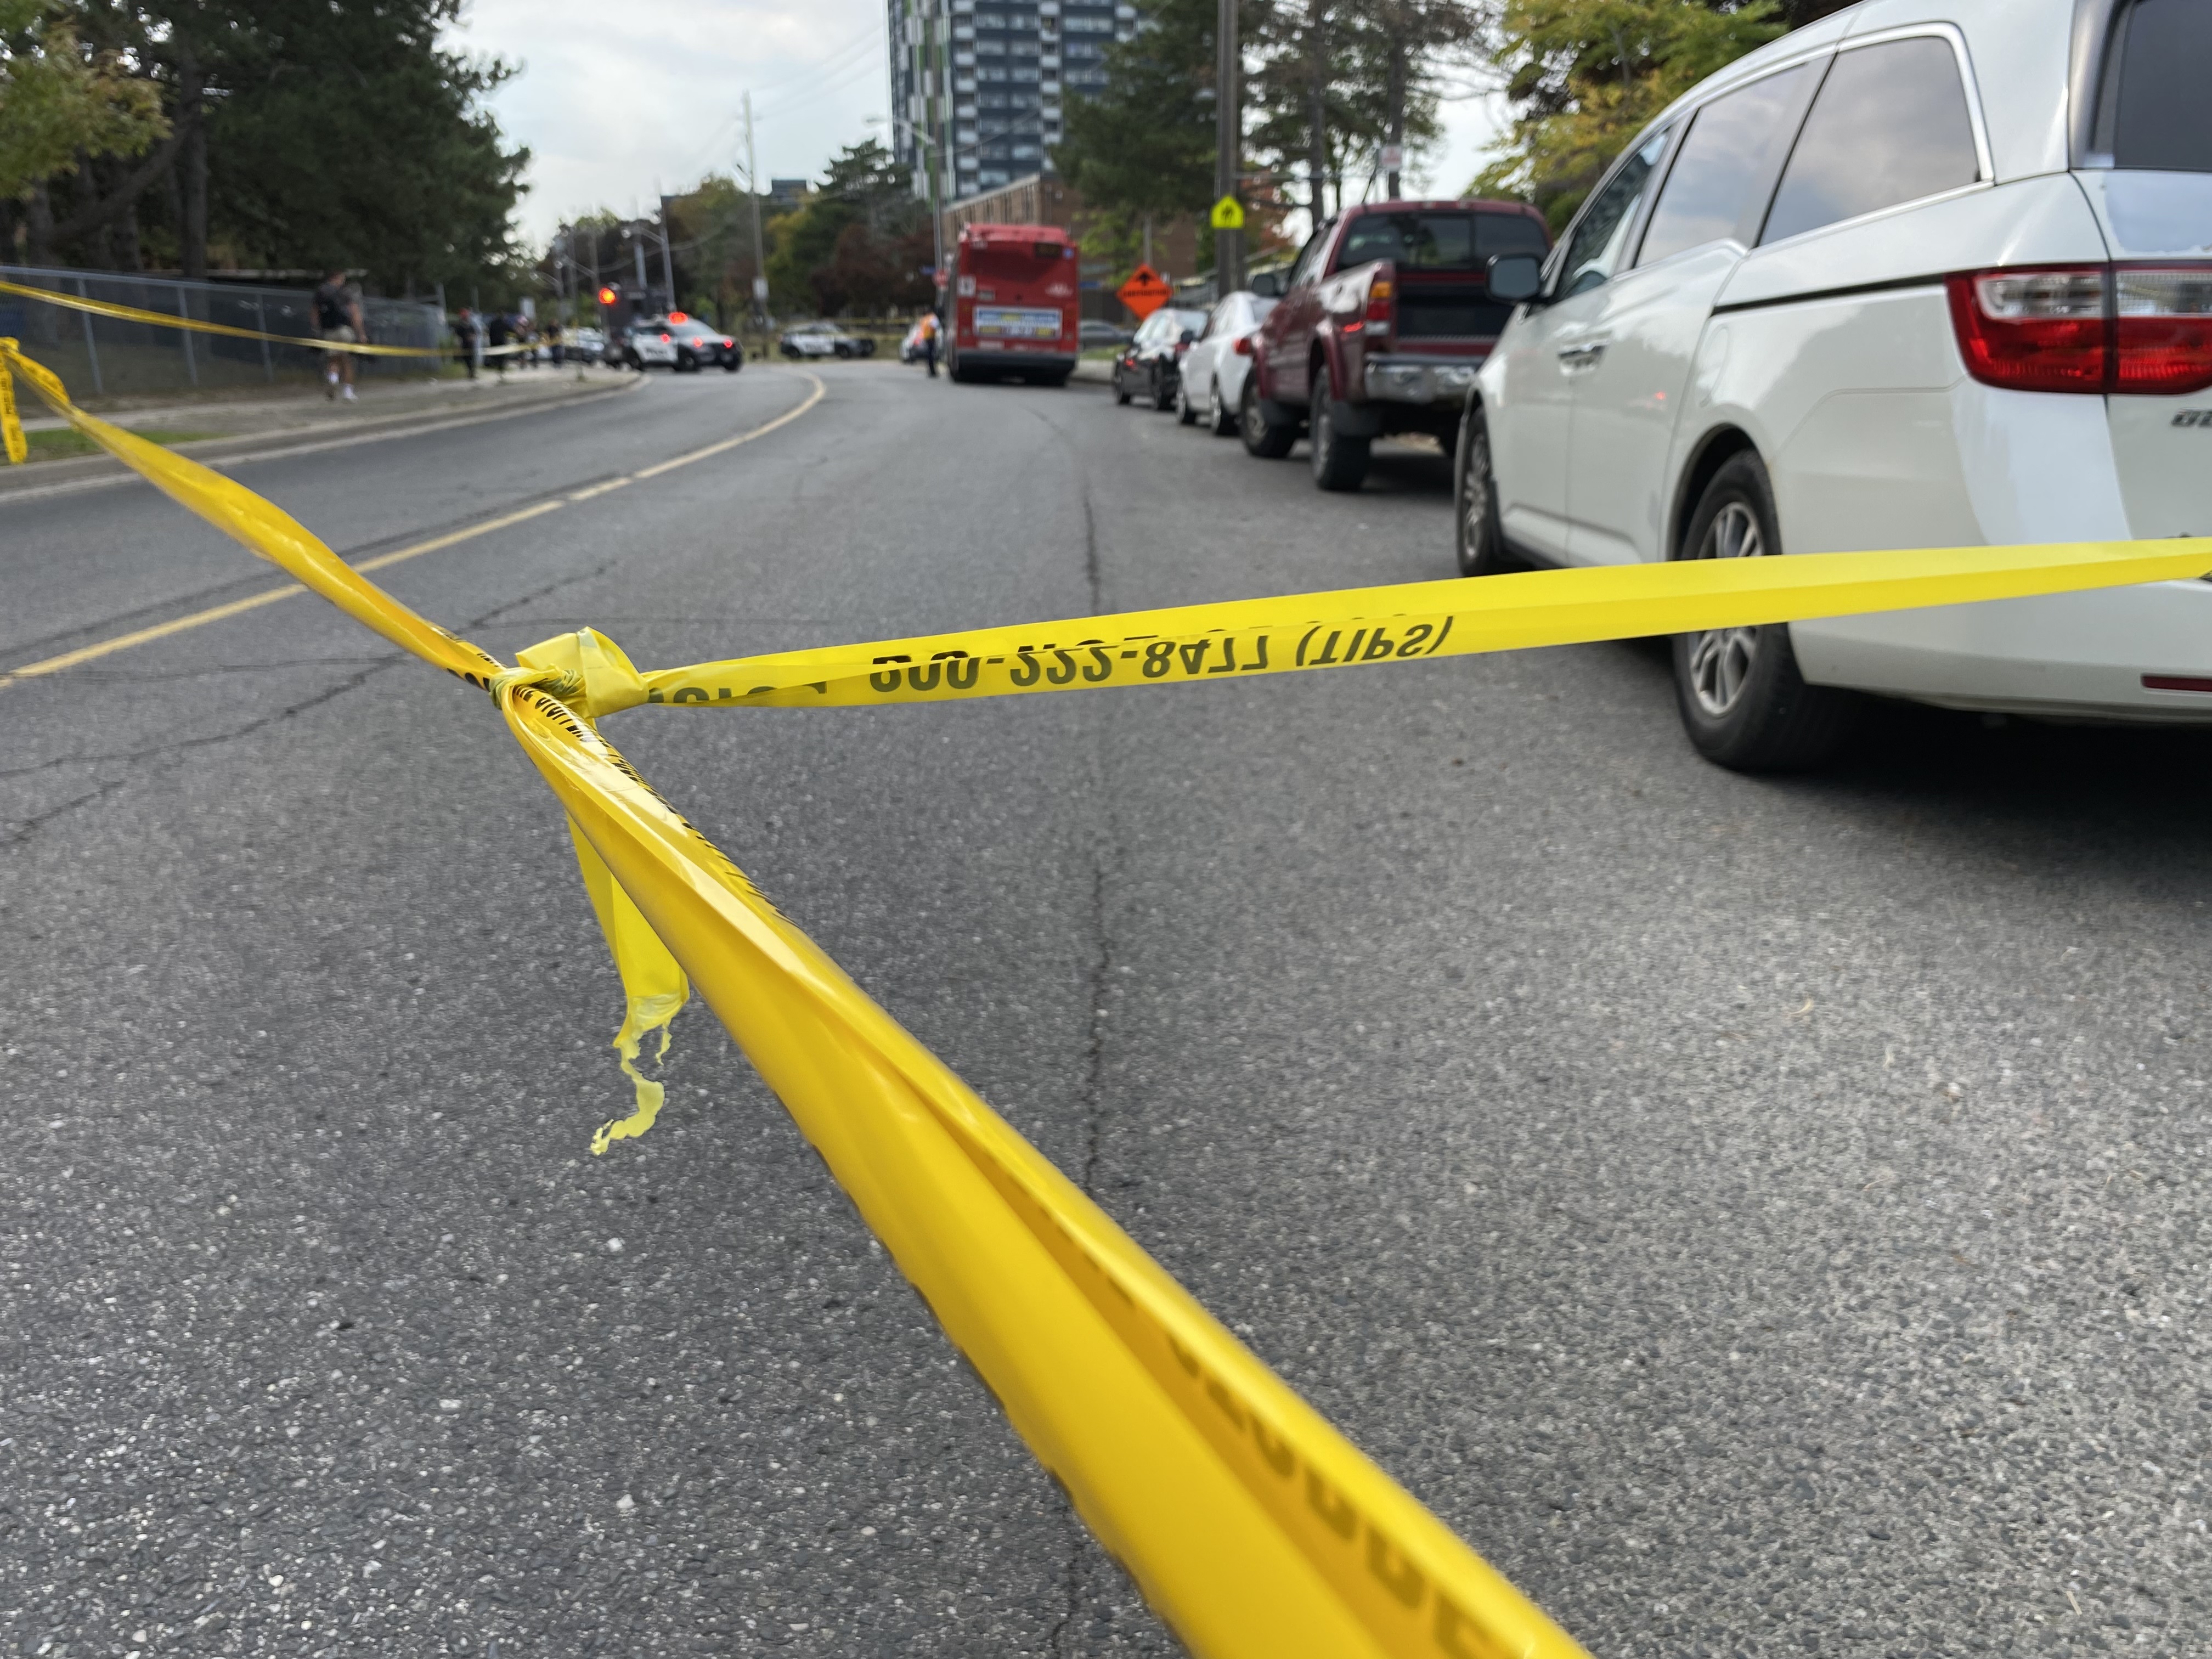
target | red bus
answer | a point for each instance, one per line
(1014, 304)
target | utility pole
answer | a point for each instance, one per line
(1317, 167)
(940, 156)
(1228, 143)
(752, 190)
(637, 246)
(668, 262)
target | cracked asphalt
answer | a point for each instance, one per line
(1763, 1216)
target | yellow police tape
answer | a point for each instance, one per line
(193, 325)
(1255, 1530)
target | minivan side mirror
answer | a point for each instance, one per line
(1513, 277)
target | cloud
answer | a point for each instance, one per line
(617, 101)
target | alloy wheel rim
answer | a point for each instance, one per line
(1721, 660)
(1477, 516)
(1320, 423)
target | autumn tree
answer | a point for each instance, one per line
(1585, 76)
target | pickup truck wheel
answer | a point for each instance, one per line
(1261, 439)
(1479, 540)
(1338, 462)
(1743, 702)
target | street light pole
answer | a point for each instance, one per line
(1228, 143)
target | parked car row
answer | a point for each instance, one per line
(1894, 280)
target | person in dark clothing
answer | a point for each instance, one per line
(338, 320)
(468, 336)
(498, 333)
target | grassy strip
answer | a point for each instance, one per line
(64, 443)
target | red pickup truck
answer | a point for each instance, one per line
(1384, 319)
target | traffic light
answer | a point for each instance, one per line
(610, 296)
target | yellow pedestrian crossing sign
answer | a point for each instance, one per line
(1228, 214)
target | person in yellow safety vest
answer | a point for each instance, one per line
(929, 341)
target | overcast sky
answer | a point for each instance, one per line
(620, 101)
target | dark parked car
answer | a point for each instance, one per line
(1150, 365)
(1384, 319)
(1096, 332)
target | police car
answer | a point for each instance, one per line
(683, 343)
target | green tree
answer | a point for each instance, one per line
(1143, 148)
(858, 242)
(350, 136)
(62, 103)
(1587, 74)
(301, 133)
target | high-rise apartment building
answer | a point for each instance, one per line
(979, 85)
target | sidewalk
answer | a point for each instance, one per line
(217, 429)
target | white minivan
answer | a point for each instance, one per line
(1926, 273)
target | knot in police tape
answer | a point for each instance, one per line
(592, 676)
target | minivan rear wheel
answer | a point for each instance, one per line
(1742, 701)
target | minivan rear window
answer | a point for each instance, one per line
(2151, 113)
(1890, 125)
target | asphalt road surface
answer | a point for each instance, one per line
(1762, 1217)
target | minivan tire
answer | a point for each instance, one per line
(1479, 539)
(1743, 702)
(1340, 463)
(1262, 437)
(1186, 411)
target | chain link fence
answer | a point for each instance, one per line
(101, 357)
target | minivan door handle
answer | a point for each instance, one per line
(1582, 354)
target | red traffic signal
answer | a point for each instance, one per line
(610, 296)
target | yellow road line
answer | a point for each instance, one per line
(145, 635)
(85, 654)
(813, 397)
(470, 534)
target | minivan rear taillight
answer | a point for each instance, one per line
(2086, 328)
(2164, 328)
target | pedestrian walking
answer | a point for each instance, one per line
(339, 321)
(929, 342)
(555, 345)
(468, 339)
(498, 333)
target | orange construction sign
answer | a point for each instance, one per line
(1145, 291)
